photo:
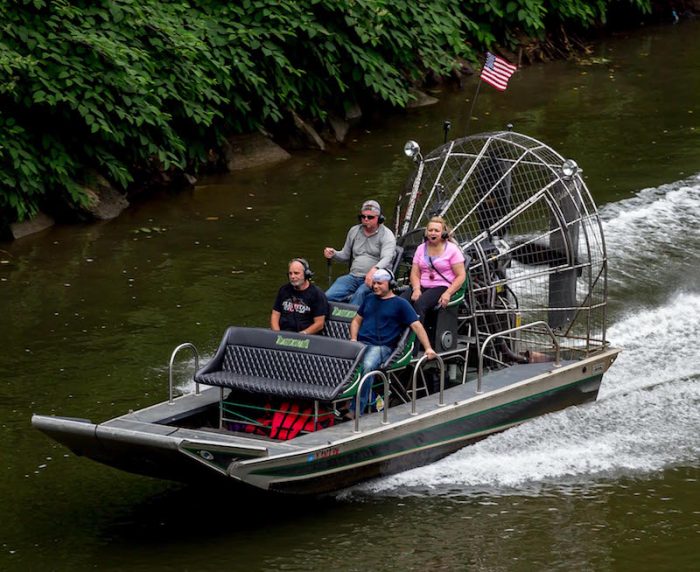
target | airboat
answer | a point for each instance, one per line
(525, 337)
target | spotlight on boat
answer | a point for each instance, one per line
(412, 150)
(569, 168)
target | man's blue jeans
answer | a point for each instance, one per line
(373, 357)
(348, 286)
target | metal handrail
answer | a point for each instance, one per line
(419, 365)
(170, 371)
(385, 411)
(510, 331)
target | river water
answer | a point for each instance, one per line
(91, 313)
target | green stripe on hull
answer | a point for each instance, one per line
(342, 461)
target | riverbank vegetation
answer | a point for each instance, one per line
(133, 91)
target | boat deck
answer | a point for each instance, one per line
(161, 419)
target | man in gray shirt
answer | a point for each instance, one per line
(368, 246)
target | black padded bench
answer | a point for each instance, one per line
(283, 364)
(338, 320)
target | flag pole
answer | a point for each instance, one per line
(496, 72)
(471, 111)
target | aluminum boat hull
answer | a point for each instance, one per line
(154, 442)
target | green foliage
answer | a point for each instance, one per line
(131, 86)
(108, 85)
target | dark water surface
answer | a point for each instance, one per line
(91, 313)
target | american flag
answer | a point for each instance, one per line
(497, 71)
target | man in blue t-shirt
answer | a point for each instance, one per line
(379, 323)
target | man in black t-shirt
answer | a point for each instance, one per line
(300, 306)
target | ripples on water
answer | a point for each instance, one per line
(648, 411)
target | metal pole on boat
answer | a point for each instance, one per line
(414, 384)
(547, 330)
(441, 364)
(385, 410)
(446, 128)
(170, 370)
(416, 371)
(471, 110)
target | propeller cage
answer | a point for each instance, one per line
(529, 226)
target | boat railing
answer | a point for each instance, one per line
(170, 370)
(489, 339)
(416, 371)
(385, 379)
(367, 379)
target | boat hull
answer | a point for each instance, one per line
(409, 445)
(333, 458)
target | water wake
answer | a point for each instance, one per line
(652, 238)
(646, 419)
(660, 345)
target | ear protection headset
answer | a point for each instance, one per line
(392, 282)
(308, 273)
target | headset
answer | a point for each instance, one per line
(308, 273)
(444, 235)
(392, 281)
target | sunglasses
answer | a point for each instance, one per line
(367, 216)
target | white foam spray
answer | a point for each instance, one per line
(646, 418)
(654, 236)
(660, 345)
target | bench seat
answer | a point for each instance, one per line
(283, 364)
(338, 320)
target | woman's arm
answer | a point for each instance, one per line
(460, 276)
